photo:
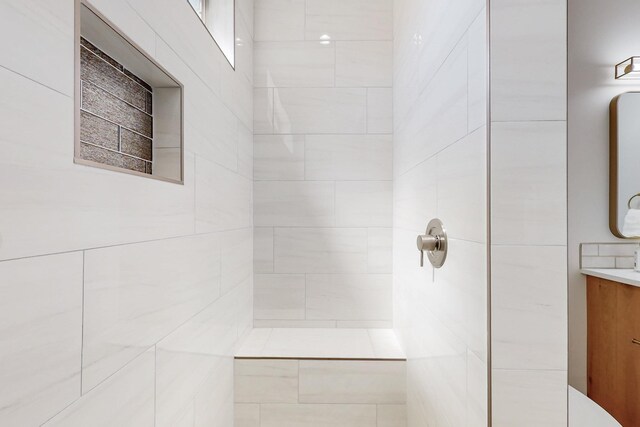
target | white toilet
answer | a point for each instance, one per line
(584, 412)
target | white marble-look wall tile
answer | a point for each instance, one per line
(130, 390)
(349, 415)
(136, 294)
(320, 110)
(41, 335)
(357, 381)
(524, 30)
(462, 187)
(245, 151)
(263, 250)
(48, 59)
(323, 77)
(246, 415)
(279, 20)
(528, 171)
(194, 351)
(348, 296)
(348, 157)
(392, 415)
(364, 203)
(379, 250)
(266, 381)
(295, 64)
(263, 110)
(223, 198)
(278, 157)
(379, 110)
(478, 70)
(364, 64)
(214, 398)
(438, 117)
(349, 20)
(529, 309)
(320, 250)
(295, 204)
(529, 398)
(234, 268)
(279, 296)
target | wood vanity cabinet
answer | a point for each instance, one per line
(613, 348)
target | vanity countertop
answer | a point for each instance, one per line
(621, 275)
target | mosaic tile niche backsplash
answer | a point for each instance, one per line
(116, 117)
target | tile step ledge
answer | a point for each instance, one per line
(321, 343)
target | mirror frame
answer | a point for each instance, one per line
(614, 225)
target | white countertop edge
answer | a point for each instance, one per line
(626, 275)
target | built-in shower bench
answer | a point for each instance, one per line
(320, 377)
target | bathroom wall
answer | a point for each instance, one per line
(440, 170)
(601, 34)
(528, 213)
(122, 297)
(323, 163)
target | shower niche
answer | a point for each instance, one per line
(129, 110)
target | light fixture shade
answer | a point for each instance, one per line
(629, 69)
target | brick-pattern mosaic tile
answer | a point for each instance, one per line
(102, 103)
(87, 44)
(112, 158)
(97, 131)
(97, 71)
(116, 126)
(136, 145)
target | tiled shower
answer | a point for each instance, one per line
(276, 281)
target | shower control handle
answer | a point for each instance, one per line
(434, 242)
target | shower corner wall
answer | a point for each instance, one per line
(440, 171)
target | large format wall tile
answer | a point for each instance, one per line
(279, 296)
(319, 415)
(529, 398)
(348, 297)
(349, 20)
(294, 204)
(320, 250)
(323, 111)
(278, 157)
(535, 32)
(529, 294)
(223, 198)
(266, 381)
(130, 390)
(356, 381)
(528, 168)
(364, 64)
(279, 20)
(294, 64)
(136, 294)
(45, 51)
(364, 204)
(348, 157)
(195, 351)
(41, 335)
(380, 110)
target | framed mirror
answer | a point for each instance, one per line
(624, 191)
(218, 16)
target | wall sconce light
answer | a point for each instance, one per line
(629, 69)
